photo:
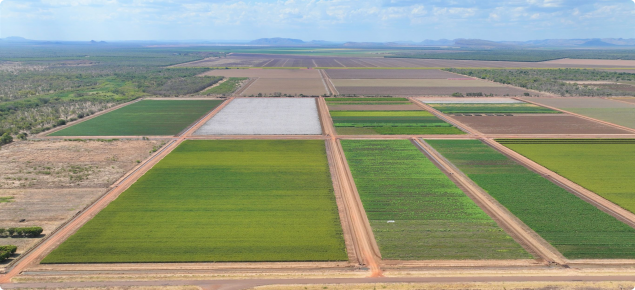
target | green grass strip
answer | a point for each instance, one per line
(226, 87)
(576, 228)
(604, 167)
(219, 201)
(433, 218)
(380, 113)
(147, 117)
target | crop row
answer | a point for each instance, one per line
(566, 141)
(603, 166)
(492, 109)
(416, 212)
(574, 227)
(219, 200)
(390, 123)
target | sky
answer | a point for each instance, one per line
(331, 20)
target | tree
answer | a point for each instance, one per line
(6, 139)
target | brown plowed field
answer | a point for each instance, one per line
(536, 124)
(429, 91)
(390, 74)
(625, 99)
(579, 102)
(595, 62)
(271, 86)
(266, 73)
(374, 108)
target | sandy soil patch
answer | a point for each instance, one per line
(266, 73)
(224, 62)
(389, 74)
(580, 102)
(266, 116)
(50, 181)
(536, 124)
(412, 83)
(281, 86)
(123, 288)
(599, 62)
(625, 99)
(373, 108)
(429, 91)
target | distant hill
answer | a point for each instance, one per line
(277, 41)
(596, 43)
(16, 39)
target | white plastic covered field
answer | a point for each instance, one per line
(265, 116)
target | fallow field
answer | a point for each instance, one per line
(615, 112)
(574, 227)
(604, 166)
(147, 117)
(219, 200)
(416, 212)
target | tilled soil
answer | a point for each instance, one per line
(429, 91)
(390, 74)
(374, 108)
(536, 124)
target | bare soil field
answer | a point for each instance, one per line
(432, 83)
(272, 60)
(536, 124)
(390, 74)
(430, 91)
(579, 102)
(457, 286)
(374, 108)
(50, 181)
(266, 73)
(625, 99)
(596, 62)
(272, 86)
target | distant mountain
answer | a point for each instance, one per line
(277, 41)
(596, 43)
(16, 39)
(97, 42)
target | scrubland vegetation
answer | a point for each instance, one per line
(230, 200)
(553, 80)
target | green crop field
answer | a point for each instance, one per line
(604, 166)
(390, 123)
(492, 109)
(220, 200)
(227, 87)
(576, 228)
(367, 101)
(147, 117)
(433, 218)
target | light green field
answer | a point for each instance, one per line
(604, 167)
(219, 200)
(380, 113)
(620, 116)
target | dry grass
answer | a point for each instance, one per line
(598, 62)
(458, 285)
(123, 288)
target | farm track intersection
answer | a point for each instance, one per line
(360, 233)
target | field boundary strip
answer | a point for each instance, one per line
(46, 133)
(579, 191)
(445, 117)
(368, 249)
(578, 115)
(524, 235)
(244, 86)
(68, 228)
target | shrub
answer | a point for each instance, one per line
(4, 256)
(458, 95)
(6, 139)
(11, 249)
(28, 232)
(60, 122)
(22, 136)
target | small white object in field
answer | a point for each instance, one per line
(391, 221)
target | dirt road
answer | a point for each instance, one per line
(329, 84)
(57, 237)
(506, 219)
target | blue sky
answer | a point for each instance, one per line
(334, 20)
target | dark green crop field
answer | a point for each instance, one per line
(492, 109)
(147, 117)
(433, 218)
(390, 123)
(220, 200)
(604, 166)
(576, 228)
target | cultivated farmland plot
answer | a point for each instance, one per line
(265, 116)
(220, 200)
(147, 117)
(574, 227)
(604, 166)
(390, 123)
(615, 112)
(416, 212)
